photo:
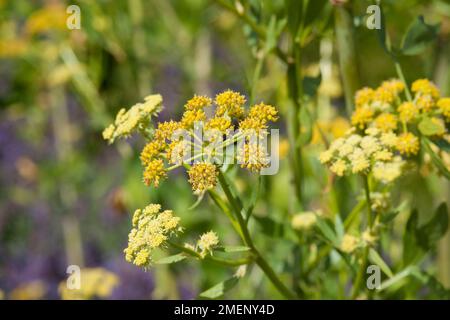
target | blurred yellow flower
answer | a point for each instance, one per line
(407, 144)
(33, 290)
(95, 283)
(349, 243)
(304, 220)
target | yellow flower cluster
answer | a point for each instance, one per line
(136, 118)
(362, 154)
(203, 176)
(444, 106)
(33, 290)
(207, 242)
(94, 283)
(167, 147)
(151, 229)
(384, 107)
(304, 220)
(230, 103)
(253, 156)
(349, 243)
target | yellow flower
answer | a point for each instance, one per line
(369, 237)
(425, 103)
(95, 283)
(387, 172)
(389, 139)
(207, 242)
(136, 118)
(408, 111)
(263, 112)
(339, 127)
(359, 161)
(304, 220)
(339, 167)
(219, 123)
(386, 122)
(364, 96)
(151, 151)
(369, 145)
(252, 126)
(154, 172)
(198, 102)
(253, 156)
(151, 230)
(32, 290)
(349, 243)
(425, 87)
(192, 116)
(444, 106)
(384, 95)
(326, 156)
(407, 144)
(178, 151)
(203, 176)
(395, 86)
(362, 116)
(231, 103)
(166, 129)
(383, 155)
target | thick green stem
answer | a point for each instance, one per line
(362, 269)
(370, 217)
(347, 54)
(294, 80)
(260, 261)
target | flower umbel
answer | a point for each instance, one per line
(151, 229)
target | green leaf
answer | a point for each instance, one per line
(397, 278)
(269, 226)
(307, 126)
(434, 229)
(410, 246)
(339, 227)
(327, 231)
(429, 128)
(171, 259)
(388, 217)
(271, 37)
(219, 289)
(443, 144)
(231, 249)
(311, 85)
(419, 36)
(313, 11)
(294, 12)
(378, 260)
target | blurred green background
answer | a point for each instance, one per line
(66, 196)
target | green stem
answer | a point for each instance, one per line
(368, 201)
(243, 14)
(293, 121)
(362, 269)
(360, 276)
(347, 54)
(260, 261)
(401, 75)
(217, 260)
